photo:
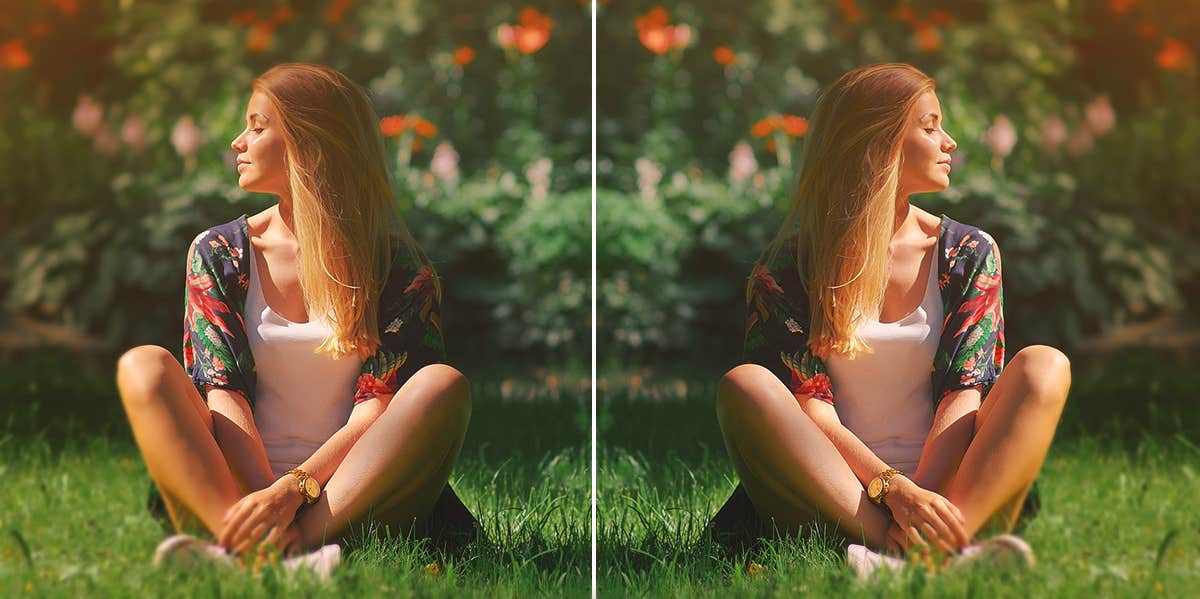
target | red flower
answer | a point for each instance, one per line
(928, 38)
(244, 18)
(724, 56)
(658, 35)
(336, 10)
(1121, 6)
(66, 7)
(987, 303)
(202, 304)
(260, 36)
(13, 55)
(530, 34)
(1175, 55)
(463, 55)
(817, 386)
(369, 385)
(850, 11)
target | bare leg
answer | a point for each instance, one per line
(1013, 431)
(398, 467)
(790, 469)
(173, 430)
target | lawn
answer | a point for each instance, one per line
(1119, 515)
(73, 522)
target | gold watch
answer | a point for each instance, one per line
(877, 489)
(309, 488)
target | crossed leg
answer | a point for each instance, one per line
(392, 475)
(794, 474)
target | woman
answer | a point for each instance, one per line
(860, 298)
(311, 400)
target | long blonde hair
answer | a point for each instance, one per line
(342, 205)
(841, 219)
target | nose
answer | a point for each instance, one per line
(948, 144)
(237, 144)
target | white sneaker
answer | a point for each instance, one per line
(865, 562)
(184, 549)
(322, 561)
(1000, 549)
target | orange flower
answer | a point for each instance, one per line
(244, 18)
(463, 55)
(336, 10)
(940, 17)
(1147, 30)
(724, 56)
(762, 128)
(658, 35)
(282, 14)
(417, 143)
(795, 126)
(391, 126)
(655, 17)
(850, 11)
(423, 127)
(66, 7)
(13, 55)
(905, 14)
(657, 39)
(928, 39)
(260, 36)
(1174, 55)
(530, 34)
(39, 30)
(1121, 6)
(770, 145)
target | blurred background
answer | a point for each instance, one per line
(117, 121)
(1078, 125)
(117, 117)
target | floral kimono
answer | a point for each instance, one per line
(216, 348)
(970, 349)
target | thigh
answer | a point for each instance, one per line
(792, 471)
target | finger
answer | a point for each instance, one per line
(959, 532)
(913, 537)
(252, 537)
(945, 538)
(274, 535)
(250, 530)
(237, 515)
(932, 535)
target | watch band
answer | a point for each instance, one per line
(884, 478)
(302, 485)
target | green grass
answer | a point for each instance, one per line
(73, 522)
(1119, 491)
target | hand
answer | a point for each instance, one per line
(263, 518)
(923, 517)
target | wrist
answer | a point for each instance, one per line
(303, 485)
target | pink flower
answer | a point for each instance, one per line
(683, 36)
(88, 115)
(1054, 133)
(742, 164)
(1001, 137)
(186, 137)
(649, 174)
(444, 164)
(1081, 141)
(133, 132)
(1100, 115)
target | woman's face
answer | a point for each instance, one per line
(925, 155)
(261, 154)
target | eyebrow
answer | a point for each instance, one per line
(264, 117)
(936, 116)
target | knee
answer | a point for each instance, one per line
(1045, 371)
(741, 387)
(142, 370)
(449, 389)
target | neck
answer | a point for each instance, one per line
(285, 211)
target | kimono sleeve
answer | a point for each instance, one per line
(214, 338)
(777, 339)
(976, 327)
(411, 335)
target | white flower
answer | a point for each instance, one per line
(1100, 115)
(649, 174)
(88, 115)
(1001, 137)
(186, 137)
(1081, 141)
(742, 164)
(538, 175)
(444, 164)
(133, 132)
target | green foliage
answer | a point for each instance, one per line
(1096, 221)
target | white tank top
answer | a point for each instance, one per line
(301, 398)
(885, 397)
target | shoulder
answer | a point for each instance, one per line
(965, 247)
(220, 249)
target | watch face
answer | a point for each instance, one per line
(875, 488)
(310, 487)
